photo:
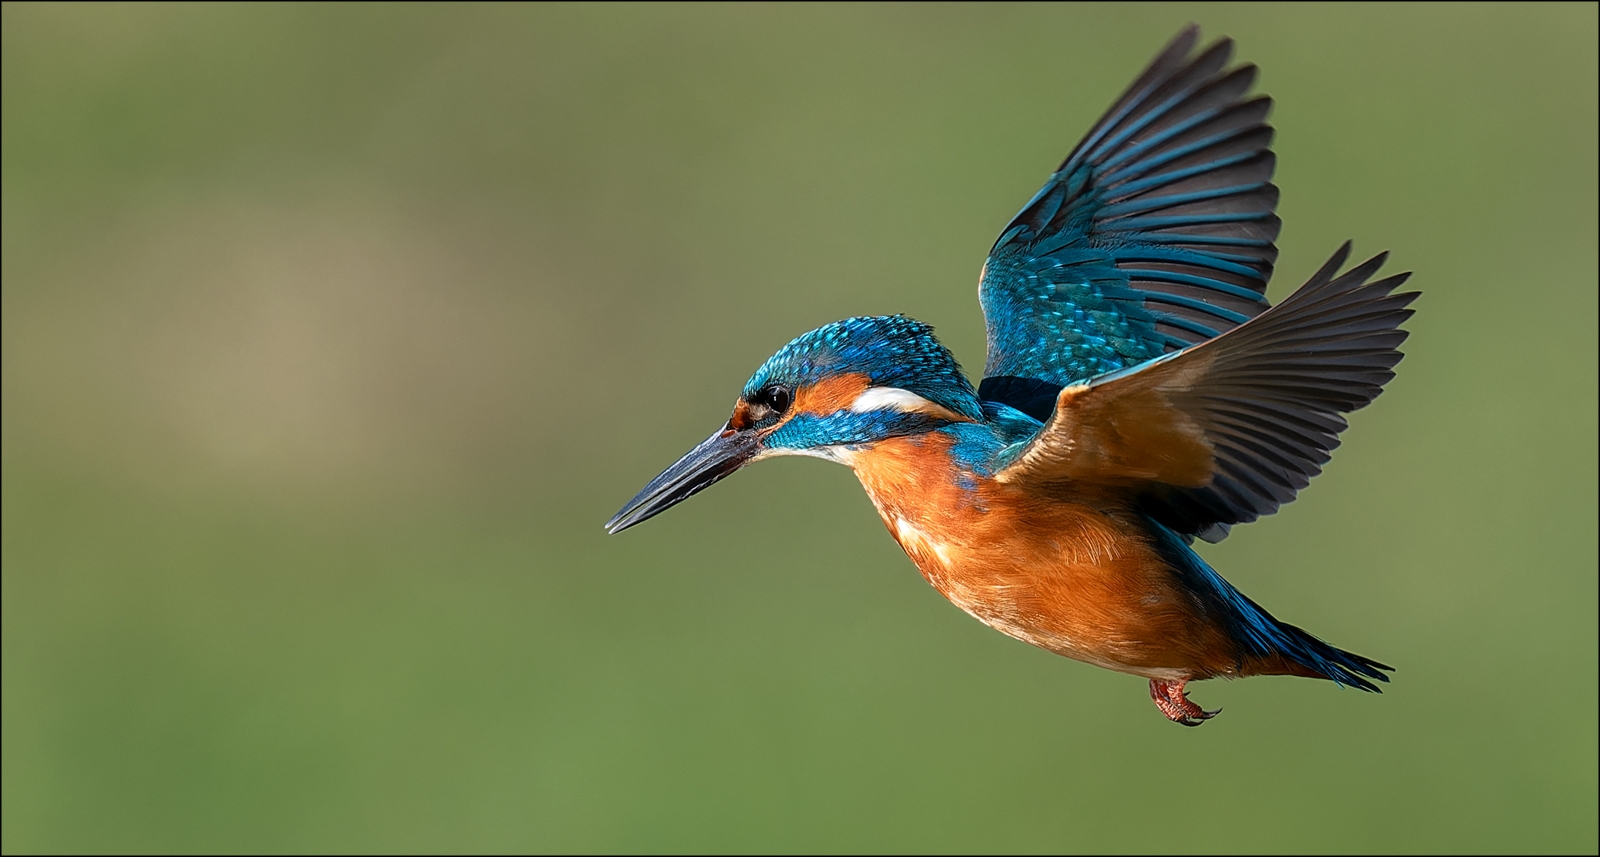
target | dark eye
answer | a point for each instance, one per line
(777, 398)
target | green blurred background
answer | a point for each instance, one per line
(333, 334)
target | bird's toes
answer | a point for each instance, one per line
(1173, 702)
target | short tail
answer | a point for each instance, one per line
(1278, 647)
(1344, 668)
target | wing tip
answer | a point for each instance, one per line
(1178, 48)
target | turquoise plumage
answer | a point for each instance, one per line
(1155, 233)
(1139, 392)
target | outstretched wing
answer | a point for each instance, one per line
(1228, 430)
(1155, 233)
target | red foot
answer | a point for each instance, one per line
(1174, 703)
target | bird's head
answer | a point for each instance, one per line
(829, 393)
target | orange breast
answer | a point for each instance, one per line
(1071, 574)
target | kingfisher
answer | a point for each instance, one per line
(1139, 393)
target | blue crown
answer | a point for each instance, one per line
(891, 350)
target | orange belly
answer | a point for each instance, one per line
(1074, 575)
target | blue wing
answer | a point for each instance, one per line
(1155, 233)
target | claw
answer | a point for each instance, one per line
(1170, 697)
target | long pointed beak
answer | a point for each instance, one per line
(717, 456)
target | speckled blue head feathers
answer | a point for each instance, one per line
(891, 350)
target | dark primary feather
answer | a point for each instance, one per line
(1273, 398)
(1155, 233)
(1257, 411)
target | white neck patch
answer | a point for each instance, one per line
(896, 399)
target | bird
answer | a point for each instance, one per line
(1139, 392)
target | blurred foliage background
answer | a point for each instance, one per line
(333, 334)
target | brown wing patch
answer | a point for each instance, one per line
(1235, 426)
(1128, 429)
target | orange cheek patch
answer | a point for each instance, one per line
(829, 395)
